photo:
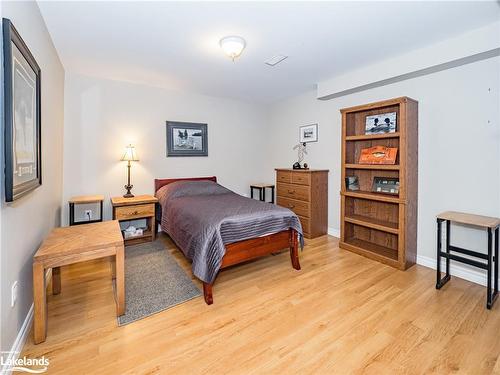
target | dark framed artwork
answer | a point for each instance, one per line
(22, 116)
(187, 139)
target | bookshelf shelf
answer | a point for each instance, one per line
(372, 196)
(381, 226)
(365, 137)
(386, 167)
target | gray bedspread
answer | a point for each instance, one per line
(202, 216)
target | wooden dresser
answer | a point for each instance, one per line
(305, 192)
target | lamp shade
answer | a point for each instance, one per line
(130, 154)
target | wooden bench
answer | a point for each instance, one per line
(482, 222)
(71, 245)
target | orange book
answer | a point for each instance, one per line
(378, 155)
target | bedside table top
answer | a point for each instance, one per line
(82, 199)
(259, 186)
(138, 199)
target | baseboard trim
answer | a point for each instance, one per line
(457, 270)
(22, 336)
(334, 232)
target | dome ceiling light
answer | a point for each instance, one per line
(232, 46)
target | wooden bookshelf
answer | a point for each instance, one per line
(381, 226)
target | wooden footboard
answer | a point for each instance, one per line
(243, 251)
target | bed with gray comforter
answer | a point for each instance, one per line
(203, 216)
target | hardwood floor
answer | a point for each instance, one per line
(341, 313)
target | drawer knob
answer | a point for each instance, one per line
(291, 191)
(291, 206)
(135, 212)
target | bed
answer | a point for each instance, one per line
(216, 228)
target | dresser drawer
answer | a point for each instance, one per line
(301, 178)
(134, 212)
(301, 208)
(299, 192)
(283, 176)
(305, 225)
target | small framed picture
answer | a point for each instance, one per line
(381, 124)
(387, 185)
(352, 183)
(187, 139)
(22, 119)
(308, 133)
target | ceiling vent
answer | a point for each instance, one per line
(275, 60)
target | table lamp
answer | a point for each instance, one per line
(129, 155)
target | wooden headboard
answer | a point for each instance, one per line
(159, 182)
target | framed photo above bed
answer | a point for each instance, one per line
(22, 125)
(187, 139)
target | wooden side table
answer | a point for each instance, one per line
(138, 207)
(482, 222)
(262, 191)
(69, 245)
(84, 199)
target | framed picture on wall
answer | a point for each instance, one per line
(308, 133)
(187, 139)
(22, 117)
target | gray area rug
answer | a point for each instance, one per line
(153, 282)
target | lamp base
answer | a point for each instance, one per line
(128, 194)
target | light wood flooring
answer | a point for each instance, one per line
(340, 314)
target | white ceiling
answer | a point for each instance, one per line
(175, 44)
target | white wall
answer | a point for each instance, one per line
(459, 144)
(438, 56)
(27, 221)
(103, 116)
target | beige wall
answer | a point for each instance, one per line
(26, 222)
(103, 116)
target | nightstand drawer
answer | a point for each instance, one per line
(134, 212)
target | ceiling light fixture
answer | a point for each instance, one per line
(232, 46)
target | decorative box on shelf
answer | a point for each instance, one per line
(136, 208)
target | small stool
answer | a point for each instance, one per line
(262, 191)
(484, 222)
(85, 199)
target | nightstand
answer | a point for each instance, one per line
(85, 200)
(136, 208)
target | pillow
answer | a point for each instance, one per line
(190, 188)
